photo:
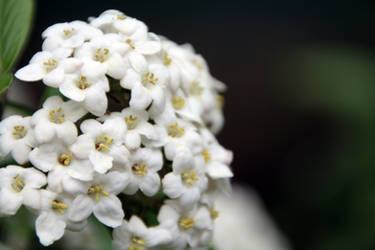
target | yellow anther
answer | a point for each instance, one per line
(50, 65)
(97, 191)
(17, 184)
(167, 60)
(149, 78)
(82, 82)
(138, 241)
(214, 213)
(197, 64)
(190, 178)
(131, 121)
(220, 101)
(68, 32)
(61, 207)
(19, 132)
(175, 131)
(129, 42)
(121, 17)
(65, 159)
(195, 88)
(140, 169)
(178, 102)
(56, 116)
(101, 54)
(134, 247)
(103, 143)
(186, 223)
(206, 155)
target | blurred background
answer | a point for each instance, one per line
(300, 106)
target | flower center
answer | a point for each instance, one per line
(130, 43)
(19, 132)
(195, 88)
(50, 65)
(220, 101)
(65, 159)
(59, 206)
(97, 191)
(149, 78)
(103, 143)
(167, 60)
(131, 121)
(121, 17)
(82, 82)
(197, 64)
(214, 213)
(178, 102)
(190, 178)
(175, 131)
(137, 244)
(101, 54)
(186, 223)
(206, 155)
(56, 116)
(68, 33)
(17, 184)
(140, 169)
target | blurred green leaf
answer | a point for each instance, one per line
(15, 23)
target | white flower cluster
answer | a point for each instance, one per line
(137, 117)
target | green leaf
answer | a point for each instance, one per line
(15, 23)
(5, 80)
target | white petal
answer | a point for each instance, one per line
(203, 219)
(54, 78)
(73, 111)
(49, 228)
(131, 78)
(44, 132)
(115, 182)
(30, 73)
(31, 198)
(218, 170)
(90, 126)
(116, 66)
(10, 202)
(101, 162)
(150, 183)
(67, 132)
(132, 140)
(172, 185)
(96, 101)
(148, 47)
(157, 236)
(21, 153)
(109, 211)
(69, 89)
(81, 208)
(140, 97)
(138, 62)
(83, 146)
(42, 158)
(190, 197)
(70, 65)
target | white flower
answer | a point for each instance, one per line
(146, 83)
(53, 218)
(49, 66)
(87, 85)
(17, 138)
(101, 200)
(135, 235)
(57, 118)
(68, 35)
(144, 164)
(107, 51)
(138, 126)
(188, 226)
(187, 181)
(19, 186)
(102, 143)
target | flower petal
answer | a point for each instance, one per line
(109, 211)
(49, 228)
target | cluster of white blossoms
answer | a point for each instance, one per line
(136, 117)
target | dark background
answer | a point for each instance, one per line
(299, 103)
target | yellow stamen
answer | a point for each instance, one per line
(50, 65)
(178, 102)
(56, 116)
(197, 64)
(82, 82)
(121, 17)
(97, 191)
(65, 159)
(129, 42)
(214, 213)
(101, 54)
(141, 170)
(134, 247)
(167, 60)
(195, 88)
(68, 32)
(61, 207)
(131, 121)
(190, 178)
(19, 132)
(175, 131)
(18, 184)
(103, 143)
(206, 155)
(220, 101)
(186, 223)
(149, 78)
